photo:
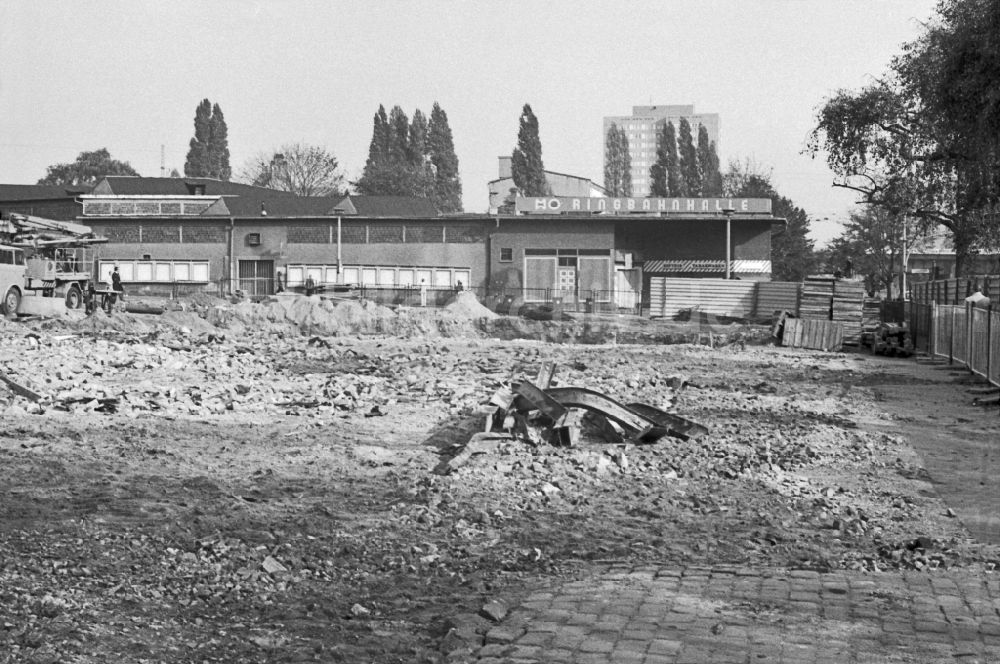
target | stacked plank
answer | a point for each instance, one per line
(816, 334)
(871, 313)
(817, 298)
(848, 308)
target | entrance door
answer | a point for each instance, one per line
(256, 278)
(566, 282)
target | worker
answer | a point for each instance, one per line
(310, 285)
(423, 293)
(279, 286)
(116, 289)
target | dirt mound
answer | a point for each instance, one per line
(309, 315)
(466, 305)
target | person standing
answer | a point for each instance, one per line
(423, 293)
(116, 289)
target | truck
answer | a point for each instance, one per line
(45, 258)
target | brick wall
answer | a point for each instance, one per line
(202, 234)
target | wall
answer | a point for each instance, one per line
(518, 234)
(59, 209)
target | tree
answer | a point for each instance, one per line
(218, 145)
(708, 164)
(658, 172)
(208, 152)
(441, 148)
(688, 162)
(872, 242)
(302, 169)
(617, 162)
(526, 162)
(924, 139)
(398, 157)
(672, 163)
(88, 169)
(792, 257)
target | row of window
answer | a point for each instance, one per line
(386, 276)
(148, 271)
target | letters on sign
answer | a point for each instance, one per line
(685, 206)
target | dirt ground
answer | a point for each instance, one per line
(268, 483)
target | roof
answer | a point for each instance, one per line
(31, 192)
(387, 206)
(130, 185)
(285, 206)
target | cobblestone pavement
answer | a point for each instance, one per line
(726, 615)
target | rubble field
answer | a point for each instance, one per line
(277, 482)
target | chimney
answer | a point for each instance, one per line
(505, 168)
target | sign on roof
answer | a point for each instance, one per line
(675, 206)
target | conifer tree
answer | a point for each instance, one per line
(197, 162)
(417, 144)
(688, 158)
(218, 145)
(526, 161)
(441, 148)
(672, 164)
(708, 164)
(666, 146)
(208, 152)
(617, 162)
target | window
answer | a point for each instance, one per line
(253, 239)
(442, 278)
(146, 271)
(386, 277)
(506, 254)
(352, 275)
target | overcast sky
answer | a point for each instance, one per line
(128, 75)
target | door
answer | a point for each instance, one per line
(256, 278)
(567, 284)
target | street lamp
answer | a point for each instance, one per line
(729, 212)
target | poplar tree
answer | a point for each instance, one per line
(526, 161)
(663, 172)
(672, 164)
(688, 158)
(218, 145)
(708, 163)
(197, 162)
(208, 152)
(617, 162)
(441, 149)
(398, 157)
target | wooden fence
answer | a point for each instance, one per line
(964, 334)
(954, 291)
(669, 297)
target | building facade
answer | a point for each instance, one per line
(642, 127)
(608, 250)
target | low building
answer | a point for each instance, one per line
(172, 235)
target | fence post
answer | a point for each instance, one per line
(989, 335)
(968, 335)
(933, 332)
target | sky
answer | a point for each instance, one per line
(79, 76)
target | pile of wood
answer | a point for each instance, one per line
(848, 308)
(817, 297)
(889, 339)
(871, 313)
(812, 333)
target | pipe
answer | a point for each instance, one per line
(729, 223)
(339, 265)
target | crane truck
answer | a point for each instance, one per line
(44, 258)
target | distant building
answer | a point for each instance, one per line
(560, 184)
(934, 258)
(642, 127)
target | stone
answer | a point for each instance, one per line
(494, 610)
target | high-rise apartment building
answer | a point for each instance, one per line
(642, 127)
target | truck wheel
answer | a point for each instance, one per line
(74, 297)
(11, 301)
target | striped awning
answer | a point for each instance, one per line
(675, 266)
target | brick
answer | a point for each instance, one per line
(596, 645)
